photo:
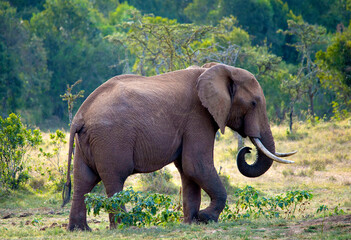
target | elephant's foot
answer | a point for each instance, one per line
(190, 220)
(78, 227)
(113, 225)
(113, 221)
(206, 217)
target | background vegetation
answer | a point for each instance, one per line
(299, 51)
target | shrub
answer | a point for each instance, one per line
(251, 204)
(58, 171)
(145, 209)
(225, 179)
(15, 141)
(339, 113)
(37, 183)
(159, 181)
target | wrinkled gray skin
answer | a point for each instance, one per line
(133, 124)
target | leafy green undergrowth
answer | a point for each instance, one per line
(158, 209)
(251, 203)
(145, 210)
(247, 205)
(15, 143)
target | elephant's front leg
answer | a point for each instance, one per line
(210, 182)
(198, 166)
(191, 196)
(215, 189)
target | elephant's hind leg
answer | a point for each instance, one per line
(84, 181)
(114, 166)
(113, 184)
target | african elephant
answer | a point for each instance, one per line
(134, 124)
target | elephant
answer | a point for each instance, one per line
(135, 124)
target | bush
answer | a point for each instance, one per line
(159, 181)
(57, 172)
(15, 141)
(226, 183)
(145, 209)
(251, 204)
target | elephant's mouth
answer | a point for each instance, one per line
(241, 133)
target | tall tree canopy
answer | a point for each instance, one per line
(72, 32)
(47, 44)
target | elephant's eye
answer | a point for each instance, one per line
(253, 103)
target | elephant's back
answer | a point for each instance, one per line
(127, 99)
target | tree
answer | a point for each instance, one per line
(23, 71)
(305, 82)
(165, 8)
(161, 45)
(328, 13)
(105, 6)
(71, 99)
(73, 35)
(335, 65)
(203, 12)
(25, 8)
(122, 13)
(228, 41)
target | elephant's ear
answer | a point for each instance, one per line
(215, 87)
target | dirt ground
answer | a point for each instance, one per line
(321, 225)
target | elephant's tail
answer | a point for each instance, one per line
(66, 193)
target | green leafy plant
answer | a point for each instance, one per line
(251, 204)
(145, 209)
(322, 209)
(15, 143)
(339, 113)
(57, 172)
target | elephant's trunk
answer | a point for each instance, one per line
(262, 163)
(265, 156)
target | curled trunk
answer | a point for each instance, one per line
(262, 163)
(265, 156)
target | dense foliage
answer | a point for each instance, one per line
(15, 142)
(49, 44)
(145, 209)
(250, 203)
(157, 209)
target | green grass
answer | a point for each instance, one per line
(322, 166)
(41, 227)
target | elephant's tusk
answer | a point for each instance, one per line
(285, 154)
(264, 150)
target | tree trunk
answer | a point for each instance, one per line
(291, 119)
(311, 96)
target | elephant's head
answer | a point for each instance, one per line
(235, 99)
